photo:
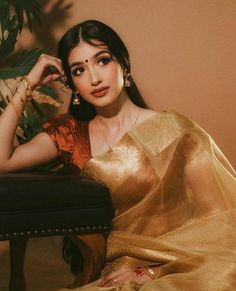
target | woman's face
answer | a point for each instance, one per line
(96, 74)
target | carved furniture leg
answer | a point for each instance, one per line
(93, 250)
(17, 256)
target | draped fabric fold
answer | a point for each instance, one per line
(174, 195)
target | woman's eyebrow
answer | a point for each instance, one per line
(93, 57)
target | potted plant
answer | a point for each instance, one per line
(15, 16)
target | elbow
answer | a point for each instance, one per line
(3, 168)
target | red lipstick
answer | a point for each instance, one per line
(100, 92)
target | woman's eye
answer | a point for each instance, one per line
(77, 71)
(104, 60)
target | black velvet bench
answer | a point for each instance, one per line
(44, 204)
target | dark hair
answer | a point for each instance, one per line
(88, 31)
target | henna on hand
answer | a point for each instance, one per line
(140, 275)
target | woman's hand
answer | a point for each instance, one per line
(41, 73)
(140, 275)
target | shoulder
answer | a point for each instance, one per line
(70, 137)
(180, 119)
(165, 125)
(146, 114)
(170, 118)
(163, 128)
(64, 120)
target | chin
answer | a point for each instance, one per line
(103, 102)
(102, 105)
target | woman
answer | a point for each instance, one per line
(173, 190)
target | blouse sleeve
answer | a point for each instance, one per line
(63, 130)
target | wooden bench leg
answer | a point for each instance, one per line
(17, 256)
(93, 250)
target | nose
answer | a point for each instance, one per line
(95, 77)
(96, 83)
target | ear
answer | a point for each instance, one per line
(126, 79)
(125, 73)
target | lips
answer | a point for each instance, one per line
(100, 92)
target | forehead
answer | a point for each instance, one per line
(85, 51)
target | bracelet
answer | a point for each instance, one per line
(148, 271)
(28, 88)
(15, 109)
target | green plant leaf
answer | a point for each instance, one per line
(23, 65)
(29, 57)
(32, 10)
(7, 44)
(30, 126)
(11, 26)
(49, 91)
(4, 15)
(37, 109)
(8, 29)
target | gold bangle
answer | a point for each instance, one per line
(15, 109)
(148, 271)
(28, 88)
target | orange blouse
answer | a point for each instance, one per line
(71, 139)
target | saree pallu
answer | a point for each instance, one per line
(174, 195)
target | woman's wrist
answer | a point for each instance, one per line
(20, 97)
(21, 94)
(28, 88)
(31, 81)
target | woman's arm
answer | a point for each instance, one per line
(40, 149)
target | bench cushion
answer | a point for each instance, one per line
(42, 204)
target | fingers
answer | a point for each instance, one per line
(46, 69)
(48, 61)
(114, 278)
(110, 283)
(140, 275)
(105, 282)
(51, 77)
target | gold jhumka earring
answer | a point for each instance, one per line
(76, 99)
(126, 79)
(76, 95)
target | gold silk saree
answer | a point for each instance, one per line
(174, 195)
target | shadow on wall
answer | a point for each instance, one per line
(54, 15)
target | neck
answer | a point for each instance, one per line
(113, 109)
(119, 115)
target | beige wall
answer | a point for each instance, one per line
(183, 53)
